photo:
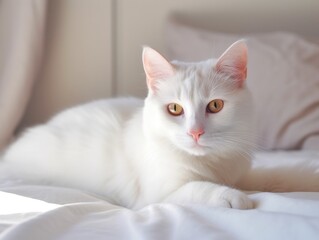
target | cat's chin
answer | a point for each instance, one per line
(196, 150)
(192, 148)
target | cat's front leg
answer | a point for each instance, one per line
(211, 194)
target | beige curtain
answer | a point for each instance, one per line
(22, 26)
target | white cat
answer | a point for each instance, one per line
(188, 142)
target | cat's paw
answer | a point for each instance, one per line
(231, 198)
(210, 194)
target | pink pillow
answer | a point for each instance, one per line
(283, 75)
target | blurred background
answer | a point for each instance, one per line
(91, 49)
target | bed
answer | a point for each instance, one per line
(30, 211)
(284, 78)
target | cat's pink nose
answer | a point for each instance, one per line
(196, 133)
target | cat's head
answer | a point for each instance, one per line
(200, 108)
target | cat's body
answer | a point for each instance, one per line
(188, 142)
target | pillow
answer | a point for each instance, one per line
(283, 76)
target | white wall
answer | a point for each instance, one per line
(94, 47)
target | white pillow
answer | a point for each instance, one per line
(283, 75)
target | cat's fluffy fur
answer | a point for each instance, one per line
(136, 153)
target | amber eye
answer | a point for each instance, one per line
(215, 106)
(175, 109)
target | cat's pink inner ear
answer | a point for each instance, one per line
(233, 62)
(156, 68)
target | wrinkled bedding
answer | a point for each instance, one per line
(31, 211)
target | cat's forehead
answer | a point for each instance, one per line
(194, 82)
(193, 79)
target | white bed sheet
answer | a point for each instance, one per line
(29, 211)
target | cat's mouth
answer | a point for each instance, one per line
(198, 148)
(198, 145)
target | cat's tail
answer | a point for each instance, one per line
(290, 172)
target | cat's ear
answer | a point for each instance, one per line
(233, 62)
(156, 68)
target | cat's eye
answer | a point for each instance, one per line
(175, 109)
(215, 106)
